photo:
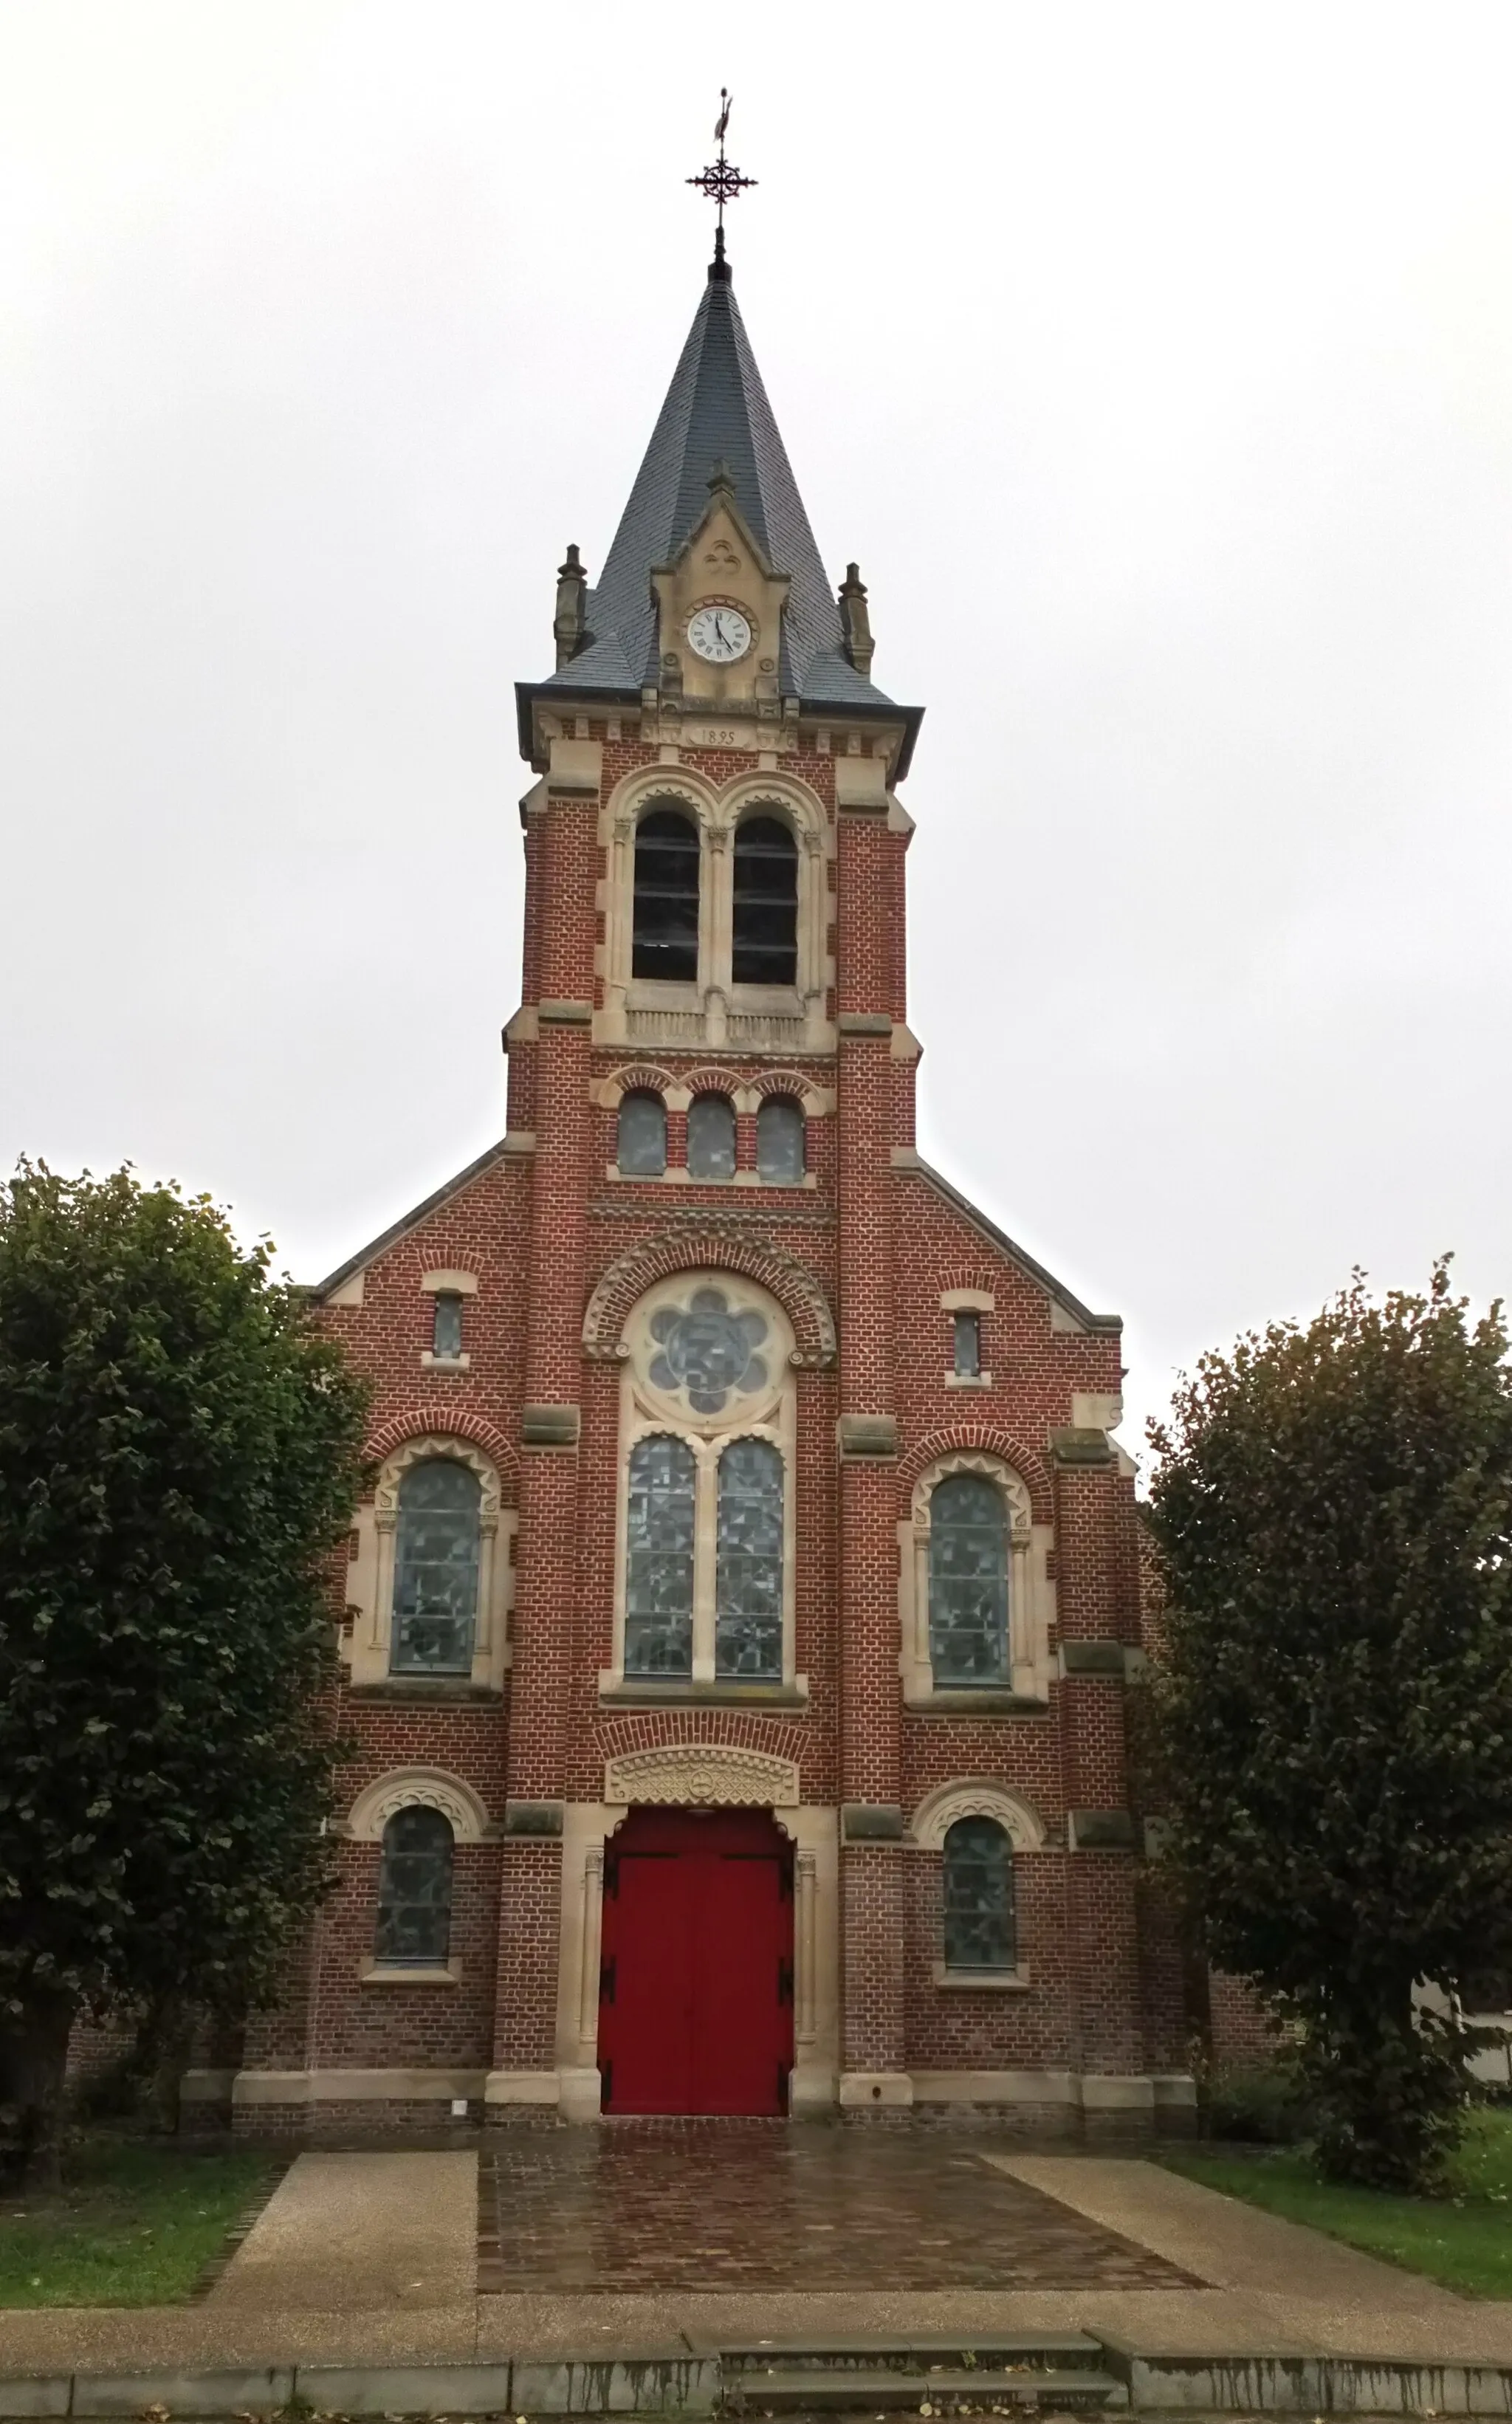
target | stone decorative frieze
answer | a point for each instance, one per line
(699, 1774)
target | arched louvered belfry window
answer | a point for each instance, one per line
(711, 1137)
(765, 904)
(968, 1581)
(664, 933)
(414, 1929)
(659, 1560)
(640, 1147)
(748, 1567)
(978, 1919)
(436, 1556)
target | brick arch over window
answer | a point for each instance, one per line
(989, 1441)
(445, 1420)
(782, 1276)
(637, 1077)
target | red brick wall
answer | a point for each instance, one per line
(878, 1245)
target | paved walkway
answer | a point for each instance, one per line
(780, 2206)
(368, 2260)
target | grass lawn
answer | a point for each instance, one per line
(133, 2225)
(1464, 2239)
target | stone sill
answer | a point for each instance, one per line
(418, 1690)
(430, 1363)
(975, 1704)
(677, 1176)
(397, 1973)
(984, 1982)
(968, 1380)
(635, 1692)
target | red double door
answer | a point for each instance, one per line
(695, 2011)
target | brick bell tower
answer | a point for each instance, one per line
(736, 1638)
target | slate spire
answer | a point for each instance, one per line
(716, 410)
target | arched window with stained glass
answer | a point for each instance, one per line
(978, 1919)
(414, 1930)
(436, 1557)
(968, 1583)
(711, 1137)
(781, 1133)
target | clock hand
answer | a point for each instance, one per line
(719, 632)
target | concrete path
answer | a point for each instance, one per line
(347, 2233)
(1227, 2243)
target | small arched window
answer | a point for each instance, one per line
(642, 1148)
(436, 1570)
(414, 1929)
(664, 934)
(659, 1559)
(748, 1578)
(765, 904)
(968, 1581)
(711, 1137)
(978, 1896)
(780, 1134)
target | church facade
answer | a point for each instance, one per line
(736, 1640)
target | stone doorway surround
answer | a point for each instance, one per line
(693, 1776)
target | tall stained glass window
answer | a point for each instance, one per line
(978, 1896)
(415, 1890)
(658, 1576)
(436, 1570)
(968, 1581)
(748, 1582)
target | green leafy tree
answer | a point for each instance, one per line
(1333, 1508)
(180, 1452)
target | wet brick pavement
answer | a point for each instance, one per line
(777, 2205)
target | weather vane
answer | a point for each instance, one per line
(722, 183)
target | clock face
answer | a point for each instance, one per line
(718, 634)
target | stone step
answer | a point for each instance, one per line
(944, 2389)
(920, 2351)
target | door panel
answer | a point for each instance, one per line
(695, 2014)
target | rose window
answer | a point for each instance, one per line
(707, 1351)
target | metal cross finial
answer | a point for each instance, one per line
(722, 183)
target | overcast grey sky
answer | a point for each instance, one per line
(1155, 361)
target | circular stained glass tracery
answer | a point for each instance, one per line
(707, 1351)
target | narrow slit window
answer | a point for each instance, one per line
(641, 1147)
(436, 1557)
(711, 1137)
(979, 1897)
(664, 932)
(748, 1585)
(968, 1583)
(967, 1327)
(414, 1929)
(780, 1137)
(446, 1326)
(765, 904)
(659, 1565)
